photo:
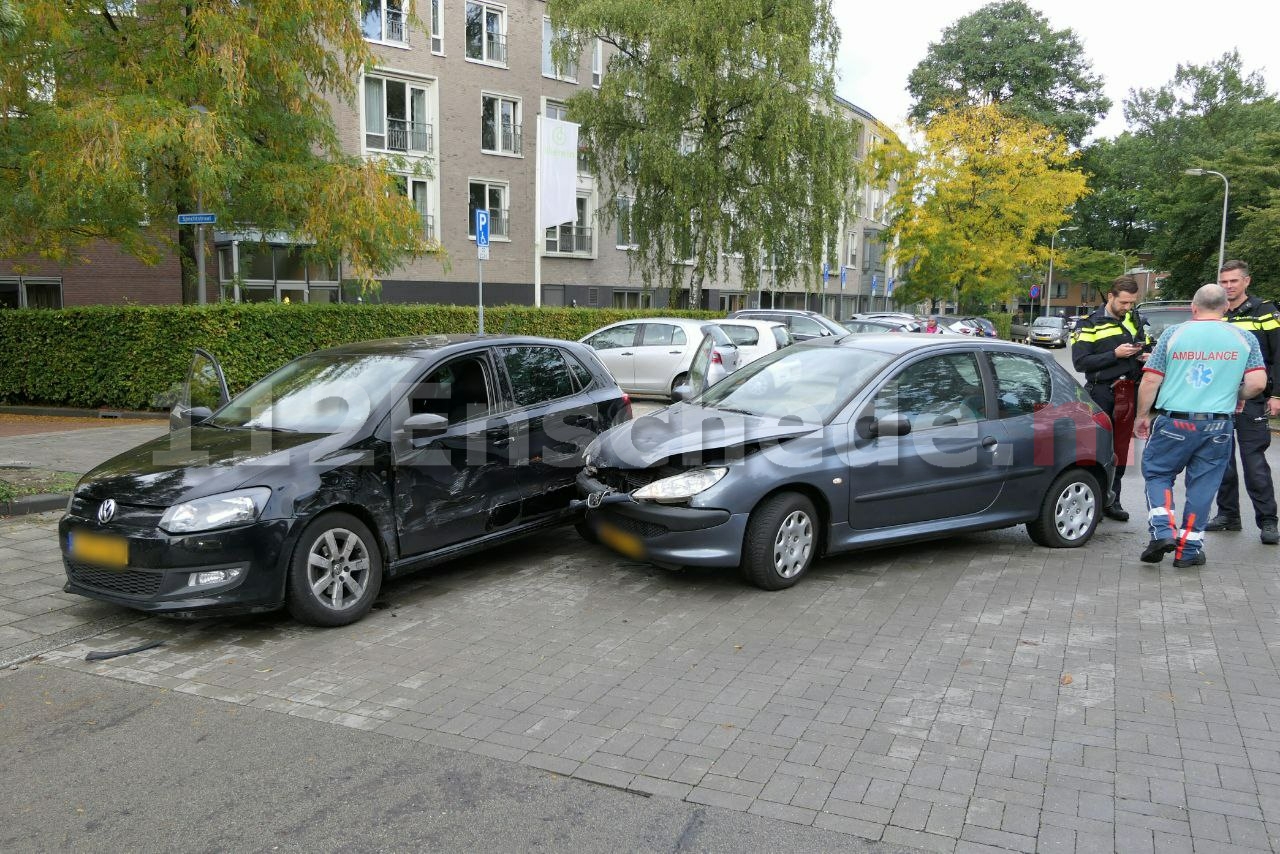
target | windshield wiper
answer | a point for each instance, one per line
(735, 410)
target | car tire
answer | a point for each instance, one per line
(781, 541)
(336, 547)
(585, 531)
(680, 380)
(1069, 513)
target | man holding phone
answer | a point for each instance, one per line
(1109, 347)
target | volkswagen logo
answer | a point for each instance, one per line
(107, 511)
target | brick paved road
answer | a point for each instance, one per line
(968, 695)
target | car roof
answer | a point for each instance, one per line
(745, 312)
(677, 321)
(901, 343)
(749, 321)
(430, 345)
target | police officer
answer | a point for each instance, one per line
(1108, 348)
(1253, 433)
(1195, 381)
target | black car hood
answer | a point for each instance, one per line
(687, 429)
(199, 461)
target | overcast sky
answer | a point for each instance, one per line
(1132, 43)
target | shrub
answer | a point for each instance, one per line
(131, 357)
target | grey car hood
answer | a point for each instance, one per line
(686, 428)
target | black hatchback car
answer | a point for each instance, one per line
(342, 468)
(869, 440)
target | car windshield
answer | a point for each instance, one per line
(1055, 322)
(811, 383)
(317, 394)
(1160, 319)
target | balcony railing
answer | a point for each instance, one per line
(428, 226)
(569, 239)
(397, 27)
(511, 139)
(495, 47)
(498, 222)
(409, 136)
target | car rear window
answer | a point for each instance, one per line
(1160, 319)
(743, 336)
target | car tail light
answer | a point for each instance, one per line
(1102, 420)
(626, 406)
(715, 358)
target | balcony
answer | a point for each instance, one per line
(409, 136)
(397, 27)
(499, 221)
(428, 226)
(495, 46)
(569, 240)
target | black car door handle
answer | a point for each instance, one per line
(674, 352)
(502, 443)
(990, 442)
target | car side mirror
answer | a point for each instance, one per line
(198, 414)
(682, 393)
(869, 427)
(425, 425)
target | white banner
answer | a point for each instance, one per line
(557, 172)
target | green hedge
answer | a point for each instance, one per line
(132, 357)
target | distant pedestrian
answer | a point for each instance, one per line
(1197, 378)
(1108, 348)
(1253, 431)
(931, 324)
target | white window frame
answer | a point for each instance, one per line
(851, 250)
(490, 54)
(419, 141)
(420, 193)
(620, 231)
(516, 131)
(597, 63)
(549, 67)
(580, 231)
(436, 26)
(503, 220)
(385, 36)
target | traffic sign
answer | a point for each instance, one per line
(844, 276)
(1035, 292)
(197, 219)
(483, 253)
(482, 227)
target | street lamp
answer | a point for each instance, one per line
(1226, 195)
(1048, 293)
(201, 292)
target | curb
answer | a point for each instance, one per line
(68, 412)
(34, 504)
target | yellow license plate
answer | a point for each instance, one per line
(100, 549)
(620, 541)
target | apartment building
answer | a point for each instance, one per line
(459, 90)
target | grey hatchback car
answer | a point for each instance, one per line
(835, 445)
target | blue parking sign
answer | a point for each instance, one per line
(482, 227)
(844, 275)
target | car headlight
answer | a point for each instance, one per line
(680, 487)
(216, 511)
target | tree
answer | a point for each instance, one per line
(116, 115)
(1088, 266)
(718, 122)
(1006, 53)
(972, 202)
(1213, 116)
(10, 22)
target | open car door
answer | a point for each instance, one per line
(204, 392)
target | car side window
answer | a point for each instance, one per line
(618, 336)
(662, 335)
(938, 391)
(1023, 385)
(537, 374)
(459, 390)
(801, 325)
(743, 336)
(782, 337)
(579, 371)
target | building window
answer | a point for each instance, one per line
(622, 211)
(632, 299)
(395, 117)
(487, 33)
(1059, 290)
(30, 292)
(569, 73)
(493, 198)
(500, 125)
(417, 191)
(851, 250)
(437, 26)
(572, 238)
(385, 21)
(597, 63)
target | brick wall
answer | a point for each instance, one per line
(107, 276)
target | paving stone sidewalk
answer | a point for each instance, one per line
(977, 694)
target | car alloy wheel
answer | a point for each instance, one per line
(336, 572)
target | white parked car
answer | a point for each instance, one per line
(648, 356)
(755, 338)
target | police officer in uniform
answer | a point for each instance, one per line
(1253, 433)
(1108, 348)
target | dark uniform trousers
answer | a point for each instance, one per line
(1104, 395)
(1253, 437)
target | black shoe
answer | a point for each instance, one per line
(1269, 534)
(1115, 511)
(1225, 523)
(1196, 560)
(1157, 549)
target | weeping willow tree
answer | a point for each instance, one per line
(717, 127)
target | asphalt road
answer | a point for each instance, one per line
(94, 764)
